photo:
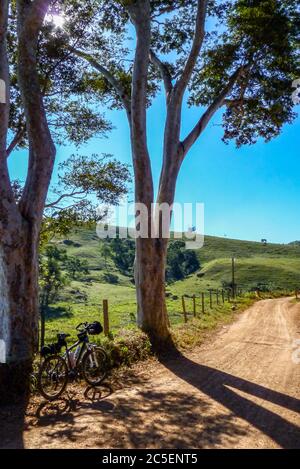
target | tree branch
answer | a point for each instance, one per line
(164, 71)
(184, 79)
(167, 9)
(139, 13)
(34, 14)
(8, 208)
(16, 140)
(64, 196)
(41, 147)
(109, 77)
(211, 110)
(4, 77)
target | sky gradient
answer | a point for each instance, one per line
(249, 193)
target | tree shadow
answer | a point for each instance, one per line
(133, 421)
(12, 424)
(216, 384)
(148, 413)
(57, 312)
(59, 416)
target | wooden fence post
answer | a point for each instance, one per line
(203, 308)
(184, 309)
(105, 318)
(194, 305)
(223, 298)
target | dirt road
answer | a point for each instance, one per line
(240, 389)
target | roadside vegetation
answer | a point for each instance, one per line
(90, 270)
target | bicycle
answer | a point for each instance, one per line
(88, 360)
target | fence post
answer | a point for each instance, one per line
(194, 305)
(217, 295)
(223, 298)
(203, 308)
(105, 318)
(184, 309)
(210, 298)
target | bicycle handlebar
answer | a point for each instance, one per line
(84, 324)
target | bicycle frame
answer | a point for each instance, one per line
(88, 362)
(84, 347)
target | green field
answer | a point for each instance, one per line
(276, 265)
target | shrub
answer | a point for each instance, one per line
(130, 347)
(110, 278)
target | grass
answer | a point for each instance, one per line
(191, 334)
(273, 264)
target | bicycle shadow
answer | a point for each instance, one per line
(63, 408)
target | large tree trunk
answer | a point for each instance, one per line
(150, 253)
(150, 265)
(20, 223)
(18, 309)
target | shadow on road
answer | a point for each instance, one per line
(216, 384)
(12, 424)
(158, 414)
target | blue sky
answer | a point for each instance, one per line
(249, 193)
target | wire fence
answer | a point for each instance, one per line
(116, 314)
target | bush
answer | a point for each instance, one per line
(180, 261)
(127, 349)
(110, 278)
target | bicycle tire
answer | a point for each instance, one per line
(64, 382)
(103, 369)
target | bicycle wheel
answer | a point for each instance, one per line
(53, 377)
(94, 366)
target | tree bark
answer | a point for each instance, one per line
(150, 258)
(150, 265)
(20, 223)
(18, 311)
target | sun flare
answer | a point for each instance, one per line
(57, 20)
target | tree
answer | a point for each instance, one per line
(73, 116)
(105, 252)
(36, 79)
(44, 104)
(87, 186)
(123, 254)
(20, 223)
(51, 280)
(180, 261)
(238, 56)
(75, 267)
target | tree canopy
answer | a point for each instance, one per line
(256, 38)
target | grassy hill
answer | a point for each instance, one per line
(276, 265)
